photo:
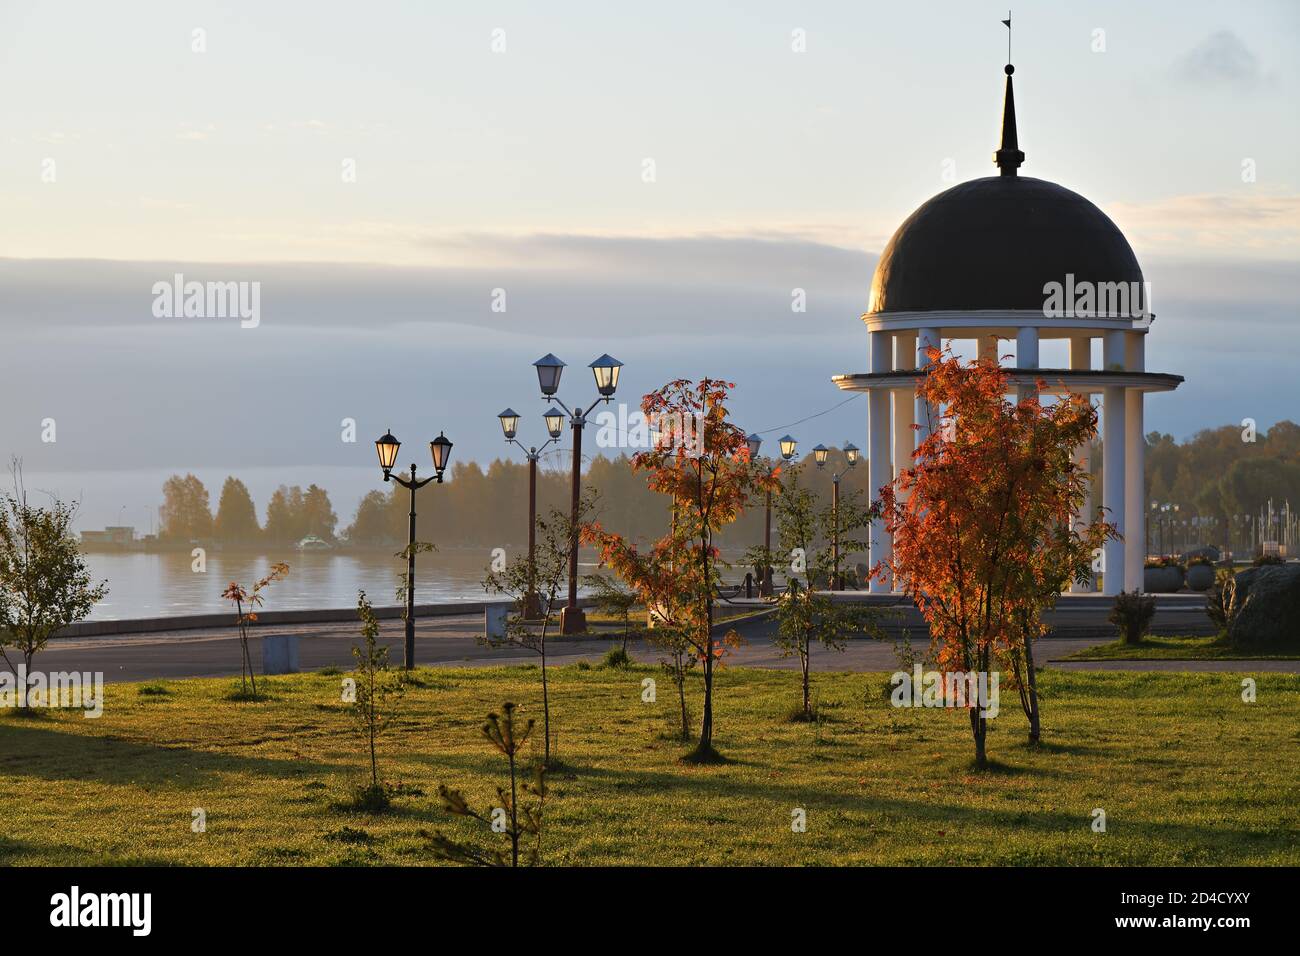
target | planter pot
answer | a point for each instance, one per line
(1163, 580)
(1200, 577)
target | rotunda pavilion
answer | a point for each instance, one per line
(1003, 259)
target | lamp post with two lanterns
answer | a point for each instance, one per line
(440, 449)
(549, 369)
(510, 426)
(820, 454)
(788, 444)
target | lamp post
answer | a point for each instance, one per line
(820, 454)
(1162, 512)
(509, 426)
(387, 447)
(1152, 530)
(788, 444)
(549, 368)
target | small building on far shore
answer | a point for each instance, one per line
(119, 536)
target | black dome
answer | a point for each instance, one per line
(994, 243)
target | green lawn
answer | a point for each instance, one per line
(1207, 648)
(1186, 772)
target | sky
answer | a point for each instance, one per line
(651, 181)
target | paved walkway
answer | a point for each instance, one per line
(452, 642)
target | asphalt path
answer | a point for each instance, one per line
(454, 642)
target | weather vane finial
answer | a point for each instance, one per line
(1009, 155)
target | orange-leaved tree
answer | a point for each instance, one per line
(246, 604)
(985, 523)
(701, 461)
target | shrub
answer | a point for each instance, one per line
(1264, 559)
(1167, 561)
(370, 798)
(617, 658)
(1221, 602)
(1132, 614)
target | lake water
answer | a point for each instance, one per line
(161, 585)
(165, 585)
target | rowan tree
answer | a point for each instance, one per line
(983, 523)
(246, 604)
(701, 461)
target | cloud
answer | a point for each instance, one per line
(190, 132)
(1259, 225)
(1221, 59)
(418, 349)
(620, 288)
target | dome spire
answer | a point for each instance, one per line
(1009, 156)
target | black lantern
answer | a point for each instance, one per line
(509, 422)
(387, 448)
(440, 448)
(554, 421)
(549, 369)
(606, 369)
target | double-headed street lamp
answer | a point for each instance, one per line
(549, 368)
(820, 454)
(788, 444)
(440, 449)
(509, 426)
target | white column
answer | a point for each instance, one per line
(1114, 415)
(904, 403)
(878, 463)
(1026, 357)
(926, 339)
(1135, 512)
(988, 348)
(1081, 359)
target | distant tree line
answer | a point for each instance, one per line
(291, 515)
(1217, 473)
(1226, 471)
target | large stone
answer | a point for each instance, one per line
(1269, 602)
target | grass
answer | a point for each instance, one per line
(1186, 772)
(1207, 648)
